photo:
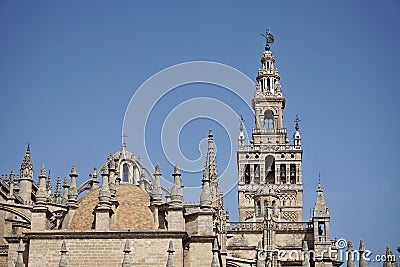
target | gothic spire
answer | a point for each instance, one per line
(126, 261)
(211, 174)
(215, 259)
(260, 256)
(306, 255)
(49, 186)
(176, 191)
(20, 250)
(320, 208)
(57, 192)
(170, 261)
(26, 170)
(63, 257)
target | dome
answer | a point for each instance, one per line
(133, 211)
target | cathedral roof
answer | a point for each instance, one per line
(133, 211)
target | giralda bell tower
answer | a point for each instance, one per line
(269, 165)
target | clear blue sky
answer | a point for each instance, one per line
(68, 70)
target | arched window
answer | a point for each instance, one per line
(268, 119)
(273, 207)
(270, 169)
(125, 173)
(283, 173)
(258, 208)
(247, 174)
(256, 173)
(268, 86)
(266, 205)
(292, 173)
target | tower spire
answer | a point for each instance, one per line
(320, 208)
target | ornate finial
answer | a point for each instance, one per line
(42, 172)
(269, 39)
(65, 181)
(176, 170)
(20, 250)
(241, 122)
(297, 120)
(63, 251)
(127, 247)
(170, 260)
(73, 170)
(126, 261)
(210, 133)
(157, 170)
(124, 136)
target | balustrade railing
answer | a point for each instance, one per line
(269, 131)
(259, 226)
(269, 147)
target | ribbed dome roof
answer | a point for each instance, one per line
(133, 211)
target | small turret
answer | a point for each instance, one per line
(104, 193)
(103, 209)
(350, 255)
(63, 257)
(176, 191)
(57, 192)
(205, 197)
(321, 218)
(362, 262)
(306, 255)
(42, 194)
(73, 191)
(66, 189)
(126, 261)
(26, 177)
(156, 190)
(320, 208)
(296, 136)
(170, 261)
(20, 251)
(215, 249)
(49, 186)
(95, 181)
(11, 187)
(260, 256)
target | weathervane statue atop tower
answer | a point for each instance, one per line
(269, 39)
